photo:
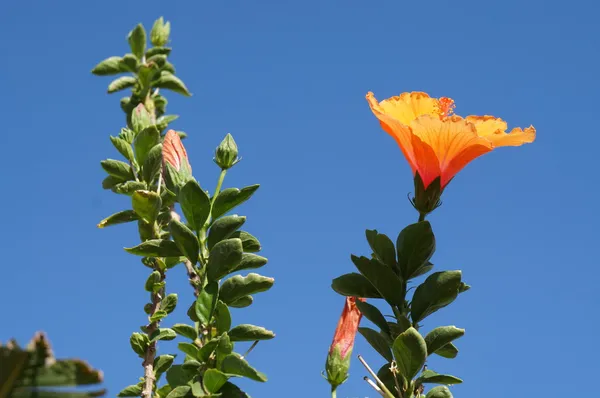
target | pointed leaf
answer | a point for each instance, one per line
(129, 187)
(429, 376)
(109, 66)
(123, 147)
(180, 392)
(207, 302)
(223, 318)
(130, 391)
(415, 245)
(118, 218)
(163, 334)
(441, 336)
(147, 138)
(162, 363)
(382, 277)
(448, 351)
(152, 165)
(355, 285)
(190, 349)
(195, 204)
(378, 342)
(230, 198)
(171, 82)
(185, 330)
(234, 365)
(437, 291)
(137, 41)
(373, 314)
(169, 303)
(185, 240)
(383, 247)
(250, 261)
(139, 343)
(117, 169)
(242, 302)
(155, 248)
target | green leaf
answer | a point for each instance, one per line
(246, 332)
(239, 286)
(146, 204)
(373, 314)
(234, 365)
(147, 138)
(109, 66)
(117, 169)
(410, 352)
(139, 343)
(195, 204)
(242, 302)
(378, 342)
(121, 83)
(180, 392)
(158, 315)
(423, 270)
(415, 245)
(162, 363)
(155, 248)
(171, 82)
(223, 228)
(129, 63)
(163, 334)
(163, 121)
(439, 392)
(137, 41)
(127, 135)
(382, 278)
(230, 390)
(185, 330)
(190, 349)
(158, 50)
(152, 165)
(169, 303)
(178, 375)
(129, 187)
(223, 318)
(208, 348)
(383, 248)
(437, 291)
(213, 380)
(429, 376)
(123, 147)
(448, 351)
(354, 285)
(223, 349)
(118, 218)
(130, 391)
(249, 242)
(250, 261)
(185, 239)
(154, 278)
(230, 198)
(158, 59)
(110, 182)
(207, 302)
(224, 257)
(441, 336)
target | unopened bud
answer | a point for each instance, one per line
(226, 154)
(159, 35)
(140, 118)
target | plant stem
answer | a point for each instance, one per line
(333, 392)
(422, 217)
(209, 219)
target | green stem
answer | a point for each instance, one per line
(422, 217)
(202, 234)
(218, 188)
(333, 392)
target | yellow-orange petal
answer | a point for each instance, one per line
(173, 150)
(494, 129)
(406, 107)
(400, 132)
(452, 141)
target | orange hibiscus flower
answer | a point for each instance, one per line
(438, 143)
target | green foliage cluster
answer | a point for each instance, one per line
(386, 276)
(209, 241)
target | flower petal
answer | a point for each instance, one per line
(449, 139)
(400, 132)
(494, 129)
(173, 150)
(406, 107)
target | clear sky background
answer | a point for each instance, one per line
(288, 80)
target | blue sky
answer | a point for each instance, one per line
(288, 80)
